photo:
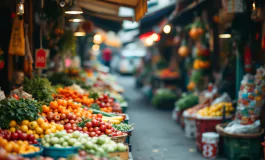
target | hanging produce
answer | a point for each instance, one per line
(183, 50)
(17, 40)
(196, 29)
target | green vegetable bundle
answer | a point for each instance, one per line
(40, 88)
(164, 99)
(18, 110)
(123, 127)
(187, 102)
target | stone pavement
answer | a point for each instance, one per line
(157, 136)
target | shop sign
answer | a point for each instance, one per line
(41, 58)
(233, 6)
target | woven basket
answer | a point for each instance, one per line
(119, 139)
(221, 131)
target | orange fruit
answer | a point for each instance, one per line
(54, 104)
(3, 143)
(45, 109)
(12, 123)
(39, 130)
(25, 122)
(40, 121)
(24, 128)
(42, 135)
(15, 147)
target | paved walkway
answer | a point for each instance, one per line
(156, 137)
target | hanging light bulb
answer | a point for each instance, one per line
(74, 9)
(80, 32)
(167, 29)
(97, 39)
(77, 18)
(20, 7)
(95, 47)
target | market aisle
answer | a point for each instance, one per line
(156, 136)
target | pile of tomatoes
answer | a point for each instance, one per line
(105, 103)
(69, 94)
(18, 135)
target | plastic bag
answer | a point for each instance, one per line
(224, 98)
(234, 127)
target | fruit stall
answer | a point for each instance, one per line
(64, 121)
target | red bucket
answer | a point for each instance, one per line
(210, 141)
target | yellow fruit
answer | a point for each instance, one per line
(59, 127)
(53, 130)
(40, 121)
(25, 122)
(42, 135)
(12, 123)
(15, 148)
(48, 131)
(39, 130)
(29, 132)
(36, 136)
(13, 129)
(3, 143)
(44, 126)
(9, 147)
(33, 125)
(24, 128)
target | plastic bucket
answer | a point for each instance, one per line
(59, 152)
(190, 127)
(210, 142)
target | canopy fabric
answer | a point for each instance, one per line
(106, 8)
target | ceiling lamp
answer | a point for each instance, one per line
(155, 37)
(224, 36)
(20, 7)
(77, 18)
(167, 29)
(80, 32)
(97, 39)
(74, 9)
(95, 47)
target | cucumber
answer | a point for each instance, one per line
(103, 113)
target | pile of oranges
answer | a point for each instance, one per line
(69, 94)
(62, 107)
(18, 147)
(39, 128)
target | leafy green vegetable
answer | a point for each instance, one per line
(40, 88)
(186, 102)
(18, 110)
(164, 99)
(95, 106)
(83, 122)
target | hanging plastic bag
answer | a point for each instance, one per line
(17, 40)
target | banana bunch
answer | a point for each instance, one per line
(216, 110)
(113, 120)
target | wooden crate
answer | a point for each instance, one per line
(121, 155)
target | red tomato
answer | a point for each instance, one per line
(99, 116)
(89, 124)
(108, 131)
(92, 134)
(90, 129)
(103, 128)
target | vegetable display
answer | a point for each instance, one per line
(40, 88)
(122, 127)
(18, 110)
(164, 99)
(186, 102)
(96, 145)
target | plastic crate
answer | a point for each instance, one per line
(59, 152)
(202, 126)
(242, 148)
(33, 155)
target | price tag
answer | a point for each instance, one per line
(41, 58)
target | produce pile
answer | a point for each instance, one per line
(216, 110)
(69, 116)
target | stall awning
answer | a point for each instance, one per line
(110, 9)
(186, 15)
(153, 19)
